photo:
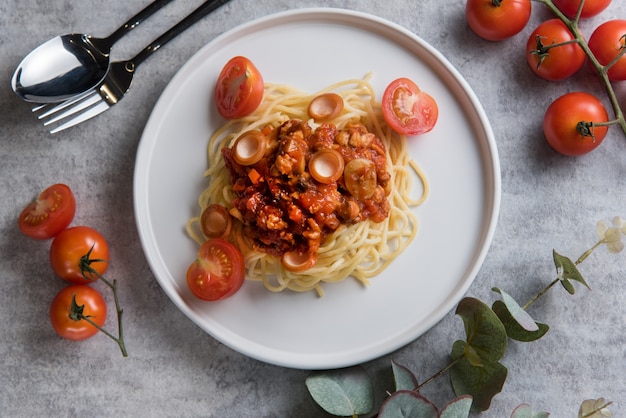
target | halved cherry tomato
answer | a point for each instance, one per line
(63, 313)
(495, 20)
(407, 109)
(51, 213)
(79, 254)
(606, 42)
(218, 271)
(239, 88)
(562, 123)
(590, 7)
(557, 62)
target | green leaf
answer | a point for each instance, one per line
(513, 328)
(521, 316)
(486, 336)
(525, 411)
(403, 378)
(407, 404)
(342, 392)
(481, 383)
(457, 408)
(566, 270)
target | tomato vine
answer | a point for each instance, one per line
(601, 70)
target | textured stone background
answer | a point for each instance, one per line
(175, 369)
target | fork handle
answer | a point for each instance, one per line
(202, 10)
(146, 12)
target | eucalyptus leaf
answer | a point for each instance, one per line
(567, 284)
(481, 383)
(407, 404)
(521, 316)
(457, 408)
(525, 411)
(513, 328)
(566, 270)
(342, 392)
(484, 331)
(403, 378)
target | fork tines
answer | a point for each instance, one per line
(72, 111)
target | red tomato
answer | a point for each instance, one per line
(407, 109)
(79, 254)
(63, 314)
(567, 116)
(590, 7)
(51, 213)
(239, 88)
(218, 272)
(606, 42)
(558, 62)
(495, 20)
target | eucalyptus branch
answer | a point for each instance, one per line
(437, 375)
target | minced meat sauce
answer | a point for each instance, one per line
(284, 209)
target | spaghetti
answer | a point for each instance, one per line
(360, 250)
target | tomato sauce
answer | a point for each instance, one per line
(283, 208)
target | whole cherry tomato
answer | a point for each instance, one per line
(606, 42)
(495, 20)
(239, 88)
(69, 304)
(79, 254)
(552, 53)
(590, 7)
(218, 271)
(407, 109)
(49, 214)
(568, 123)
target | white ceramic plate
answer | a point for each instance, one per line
(310, 49)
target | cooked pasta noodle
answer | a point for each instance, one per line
(360, 250)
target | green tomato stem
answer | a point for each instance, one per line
(89, 273)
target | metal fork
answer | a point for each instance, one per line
(117, 80)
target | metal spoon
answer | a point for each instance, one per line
(70, 64)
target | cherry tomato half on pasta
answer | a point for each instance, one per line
(590, 7)
(239, 88)
(495, 20)
(218, 271)
(407, 109)
(553, 63)
(561, 123)
(76, 247)
(606, 42)
(93, 306)
(49, 214)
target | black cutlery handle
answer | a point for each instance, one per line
(147, 11)
(204, 9)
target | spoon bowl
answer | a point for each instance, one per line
(59, 69)
(68, 65)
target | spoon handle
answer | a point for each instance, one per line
(147, 11)
(202, 10)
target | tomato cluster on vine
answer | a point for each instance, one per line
(78, 255)
(577, 122)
